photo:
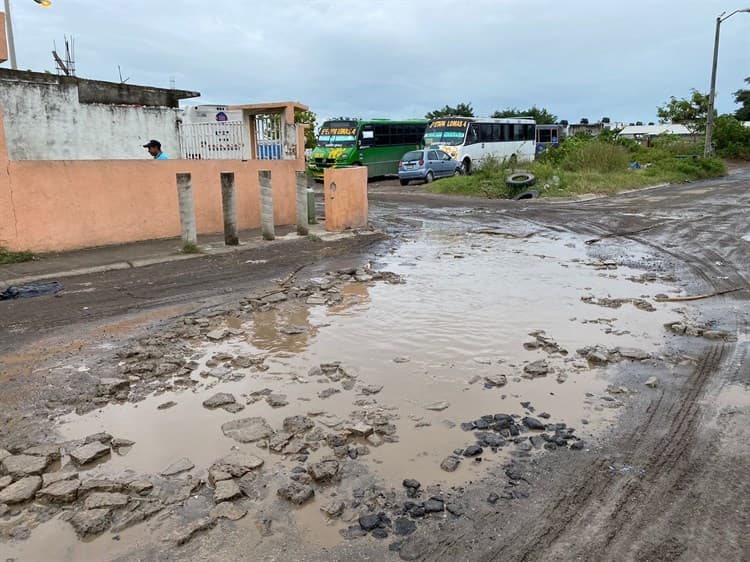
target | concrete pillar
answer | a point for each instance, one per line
(229, 206)
(187, 208)
(302, 229)
(266, 204)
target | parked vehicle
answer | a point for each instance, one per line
(427, 165)
(470, 140)
(548, 136)
(377, 144)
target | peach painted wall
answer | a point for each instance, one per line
(345, 198)
(62, 205)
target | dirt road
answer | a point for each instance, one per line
(664, 477)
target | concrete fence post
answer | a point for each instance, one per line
(266, 204)
(229, 206)
(302, 229)
(187, 208)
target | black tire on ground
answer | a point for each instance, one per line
(520, 179)
(466, 165)
(404, 182)
(429, 177)
(529, 194)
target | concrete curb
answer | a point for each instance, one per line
(145, 262)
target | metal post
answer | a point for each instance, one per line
(11, 42)
(187, 208)
(266, 204)
(302, 229)
(708, 150)
(229, 206)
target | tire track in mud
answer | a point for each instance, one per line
(668, 472)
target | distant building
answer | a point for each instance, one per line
(645, 133)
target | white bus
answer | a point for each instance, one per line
(472, 139)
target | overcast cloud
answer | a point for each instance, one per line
(387, 58)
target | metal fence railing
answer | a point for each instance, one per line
(227, 140)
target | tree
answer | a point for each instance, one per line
(742, 97)
(462, 109)
(311, 120)
(540, 114)
(731, 137)
(691, 112)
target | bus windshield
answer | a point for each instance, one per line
(446, 131)
(338, 133)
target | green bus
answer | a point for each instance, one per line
(378, 144)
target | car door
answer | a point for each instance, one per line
(447, 164)
(433, 163)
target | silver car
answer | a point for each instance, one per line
(427, 165)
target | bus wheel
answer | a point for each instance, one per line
(466, 165)
(513, 160)
(429, 177)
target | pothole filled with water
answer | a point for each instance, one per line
(519, 329)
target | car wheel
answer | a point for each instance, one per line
(404, 182)
(429, 177)
(466, 165)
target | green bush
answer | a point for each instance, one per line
(731, 138)
(6, 256)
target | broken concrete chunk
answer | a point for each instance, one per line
(324, 470)
(537, 368)
(228, 510)
(495, 380)
(89, 453)
(437, 406)
(295, 492)
(226, 490)
(298, 424)
(64, 491)
(90, 522)
(21, 490)
(450, 464)
(277, 400)
(361, 429)
(99, 500)
(218, 334)
(652, 382)
(334, 508)
(24, 465)
(101, 437)
(238, 463)
(182, 465)
(219, 399)
(52, 477)
(247, 430)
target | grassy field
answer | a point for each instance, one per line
(591, 165)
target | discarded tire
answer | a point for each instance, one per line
(529, 194)
(521, 179)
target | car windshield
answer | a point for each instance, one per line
(412, 156)
(450, 132)
(338, 134)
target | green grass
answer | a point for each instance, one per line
(588, 165)
(6, 256)
(190, 248)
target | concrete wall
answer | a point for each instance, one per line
(63, 205)
(346, 202)
(44, 120)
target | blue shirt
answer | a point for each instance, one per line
(161, 156)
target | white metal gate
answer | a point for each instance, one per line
(268, 137)
(226, 140)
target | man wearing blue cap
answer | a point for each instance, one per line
(154, 149)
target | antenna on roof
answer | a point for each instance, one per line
(119, 71)
(67, 66)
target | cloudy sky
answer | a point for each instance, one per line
(391, 58)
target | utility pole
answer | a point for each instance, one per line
(708, 149)
(11, 43)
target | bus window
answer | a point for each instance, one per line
(485, 132)
(472, 137)
(505, 134)
(530, 129)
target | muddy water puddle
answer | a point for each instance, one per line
(461, 319)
